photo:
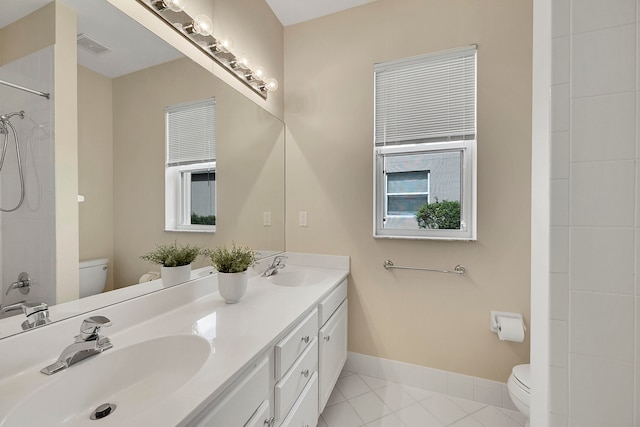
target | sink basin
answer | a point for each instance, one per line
(297, 277)
(133, 378)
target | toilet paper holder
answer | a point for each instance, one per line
(493, 322)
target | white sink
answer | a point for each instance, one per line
(134, 378)
(297, 277)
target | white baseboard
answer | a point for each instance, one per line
(472, 388)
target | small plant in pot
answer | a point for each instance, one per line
(232, 265)
(175, 261)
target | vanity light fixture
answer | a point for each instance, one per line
(199, 31)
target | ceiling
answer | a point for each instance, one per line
(97, 19)
(291, 12)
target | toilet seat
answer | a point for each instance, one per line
(522, 375)
(519, 386)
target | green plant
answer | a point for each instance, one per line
(234, 260)
(203, 219)
(173, 255)
(443, 215)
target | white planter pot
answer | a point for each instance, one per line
(173, 275)
(232, 286)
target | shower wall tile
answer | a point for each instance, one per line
(559, 390)
(604, 128)
(559, 296)
(601, 392)
(603, 193)
(559, 340)
(602, 325)
(589, 15)
(559, 250)
(560, 108)
(602, 259)
(560, 18)
(599, 69)
(560, 60)
(560, 155)
(559, 202)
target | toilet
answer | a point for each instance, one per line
(519, 386)
(93, 276)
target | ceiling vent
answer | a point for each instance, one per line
(92, 45)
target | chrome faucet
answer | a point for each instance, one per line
(88, 343)
(37, 313)
(277, 264)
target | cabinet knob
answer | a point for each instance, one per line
(305, 373)
(269, 422)
(327, 338)
(306, 339)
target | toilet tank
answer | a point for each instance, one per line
(93, 276)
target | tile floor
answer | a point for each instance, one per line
(359, 400)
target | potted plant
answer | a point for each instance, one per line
(232, 265)
(175, 261)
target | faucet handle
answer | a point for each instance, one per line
(91, 326)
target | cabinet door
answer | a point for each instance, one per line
(332, 353)
(261, 418)
(305, 411)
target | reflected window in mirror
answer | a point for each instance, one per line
(190, 173)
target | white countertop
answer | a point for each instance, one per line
(238, 335)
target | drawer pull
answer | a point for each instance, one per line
(327, 338)
(269, 422)
(306, 339)
(305, 373)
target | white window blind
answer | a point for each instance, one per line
(191, 133)
(427, 98)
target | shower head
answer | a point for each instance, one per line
(6, 117)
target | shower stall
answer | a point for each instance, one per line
(27, 202)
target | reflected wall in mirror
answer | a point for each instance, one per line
(120, 153)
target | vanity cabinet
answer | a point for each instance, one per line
(332, 342)
(244, 403)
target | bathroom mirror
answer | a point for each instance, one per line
(121, 152)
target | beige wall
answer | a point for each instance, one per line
(429, 319)
(19, 38)
(66, 153)
(95, 167)
(250, 169)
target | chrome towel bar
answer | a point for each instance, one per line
(459, 269)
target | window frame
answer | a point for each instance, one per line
(178, 198)
(468, 197)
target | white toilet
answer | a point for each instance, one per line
(93, 276)
(519, 386)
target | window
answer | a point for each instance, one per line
(425, 146)
(190, 172)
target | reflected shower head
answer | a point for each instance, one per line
(6, 117)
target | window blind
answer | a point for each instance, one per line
(191, 133)
(426, 98)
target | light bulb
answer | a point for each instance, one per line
(244, 61)
(226, 44)
(271, 84)
(202, 25)
(258, 73)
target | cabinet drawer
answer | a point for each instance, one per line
(305, 411)
(288, 350)
(328, 305)
(239, 405)
(290, 386)
(332, 353)
(261, 417)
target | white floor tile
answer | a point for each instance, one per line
(369, 407)
(418, 393)
(374, 383)
(515, 415)
(395, 396)
(492, 417)
(417, 416)
(345, 373)
(469, 406)
(443, 409)
(467, 422)
(335, 397)
(341, 415)
(321, 422)
(390, 420)
(352, 386)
